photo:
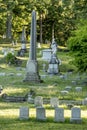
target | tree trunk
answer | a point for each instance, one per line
(41, 28)
(9, 26)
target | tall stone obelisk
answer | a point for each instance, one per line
(32, 74)
(23, 40)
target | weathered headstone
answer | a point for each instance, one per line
(46, 54)
(30, 99)
(54, 102)
(75, 115)
(59, 115)
(38, 101)
(64, 92)
(32, 64)
(78, 89)
(24, 113)
(40, 114)
(84, 101)
(68, 88)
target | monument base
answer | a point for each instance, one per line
(76, 120)
(53, 69)
(32, 74)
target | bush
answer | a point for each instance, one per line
(78, 47)
(11, 59)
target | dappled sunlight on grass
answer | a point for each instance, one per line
(45, 45)
(50, 86)
(9, 113)
(12, 91)
(4, 65)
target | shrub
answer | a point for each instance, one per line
(78, 47)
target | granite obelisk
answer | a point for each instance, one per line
(23, 40)
(32, 74)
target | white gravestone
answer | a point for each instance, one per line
(38, 101)
(24, 113)
(40, 113)
(54, 102)
(59, 115)
(46, 54)
(75, 115)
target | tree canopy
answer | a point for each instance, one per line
(58, 15)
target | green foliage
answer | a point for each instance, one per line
(78, 46)
(10, 58)
(62, 14)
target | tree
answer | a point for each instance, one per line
(78, 46)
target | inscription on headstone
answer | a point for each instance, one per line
(59, 115)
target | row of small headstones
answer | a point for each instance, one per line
(58, 114)
(54, 101)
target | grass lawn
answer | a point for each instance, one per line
(51, 87)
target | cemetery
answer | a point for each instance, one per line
(42, 85)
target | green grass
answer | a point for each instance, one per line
(52, 85)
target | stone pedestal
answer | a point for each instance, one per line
(53, 65)
(32, 74)
(53, 68)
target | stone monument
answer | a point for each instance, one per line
(53, 67)
(32, 64)
(59, 115)
(76, 115)
(23, 49)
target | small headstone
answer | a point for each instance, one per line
(84, 102)
(46, 54)
(78, 89)
(39, 45)
(40, 113)
(30, 99)
(68, 88)
(75, 115)
(59, 115)
(54, 102)
(74, 82)
(64, 92)
(2, 74)
(38, 101)
(19, 74)
(24, 113)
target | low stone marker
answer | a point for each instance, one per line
(68, 88)
(54, 102)
(78, 89)
(75, 115)
(38, 101)
(46, 54)
(40, 113)
(24, 113)
(84, 102)
(59, 115)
